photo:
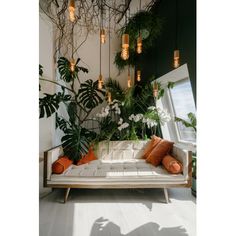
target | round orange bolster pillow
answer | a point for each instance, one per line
(60, 165)
(172, 165)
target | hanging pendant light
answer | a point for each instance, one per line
(129, 78)
(109, 100)
(102, 36)
(155, 89)
(138, 75)
(125, 53)
(139, 44)
(139, 39)
(125, 44)
(102, 30)
(100, 82)
(100, 78)
(72, 65)
(72, 10)
(176, 59)
(125, 47)
(176, 62)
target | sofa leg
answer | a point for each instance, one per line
(66, 194)
(166, 195)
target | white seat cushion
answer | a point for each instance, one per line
(115, 170)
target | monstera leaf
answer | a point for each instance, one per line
(65, 71)
(50, 103)
(89, 94)
(76, 142)
(62, 124)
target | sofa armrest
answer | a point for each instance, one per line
(50, 156)
(185, 157)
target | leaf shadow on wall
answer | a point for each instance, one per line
(104, 227)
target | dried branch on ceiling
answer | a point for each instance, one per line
(87, 20)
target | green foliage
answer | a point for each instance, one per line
(76, 139)
(40, 74)
(76, 142)
(149, 25)
(40, 70)
(115, 89)
(191, 123)
(65, 72)
(108, 129)
(194, 166)
(89, 94)
(170, 85)
(72, 111)
(132, 60)
(49, 104)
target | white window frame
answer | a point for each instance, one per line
(171, 130)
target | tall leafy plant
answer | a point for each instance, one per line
(79, 103)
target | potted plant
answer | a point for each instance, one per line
(191, 124)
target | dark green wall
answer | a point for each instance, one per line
(159, 59)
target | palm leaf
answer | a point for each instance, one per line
(115, 89)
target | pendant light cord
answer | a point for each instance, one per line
(139, 10)
(72, 41)
(100, 43)
(176, 24)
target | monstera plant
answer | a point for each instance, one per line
(82, 101)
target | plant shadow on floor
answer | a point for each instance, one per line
(104, 227)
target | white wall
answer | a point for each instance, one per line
(46, 125)
(89, 54)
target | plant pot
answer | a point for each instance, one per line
(194, 187)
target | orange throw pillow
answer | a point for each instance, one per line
(90, 156)
(60, 165)
(172, 165)
(159, 151)
(154, 141)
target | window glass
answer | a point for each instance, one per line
(183, 103)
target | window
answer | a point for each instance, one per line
(181, 97)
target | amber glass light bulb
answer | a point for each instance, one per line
(103, 36)
(100, 82)
(109, 97)
(125, 53)
(125, 41)
(129, 81)
(176, 59)
(139, 44)
(138, 75)
(72, 65)
(72, 10)
(155, 89)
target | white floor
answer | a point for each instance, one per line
(117, 213)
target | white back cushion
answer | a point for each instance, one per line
(120, 150)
